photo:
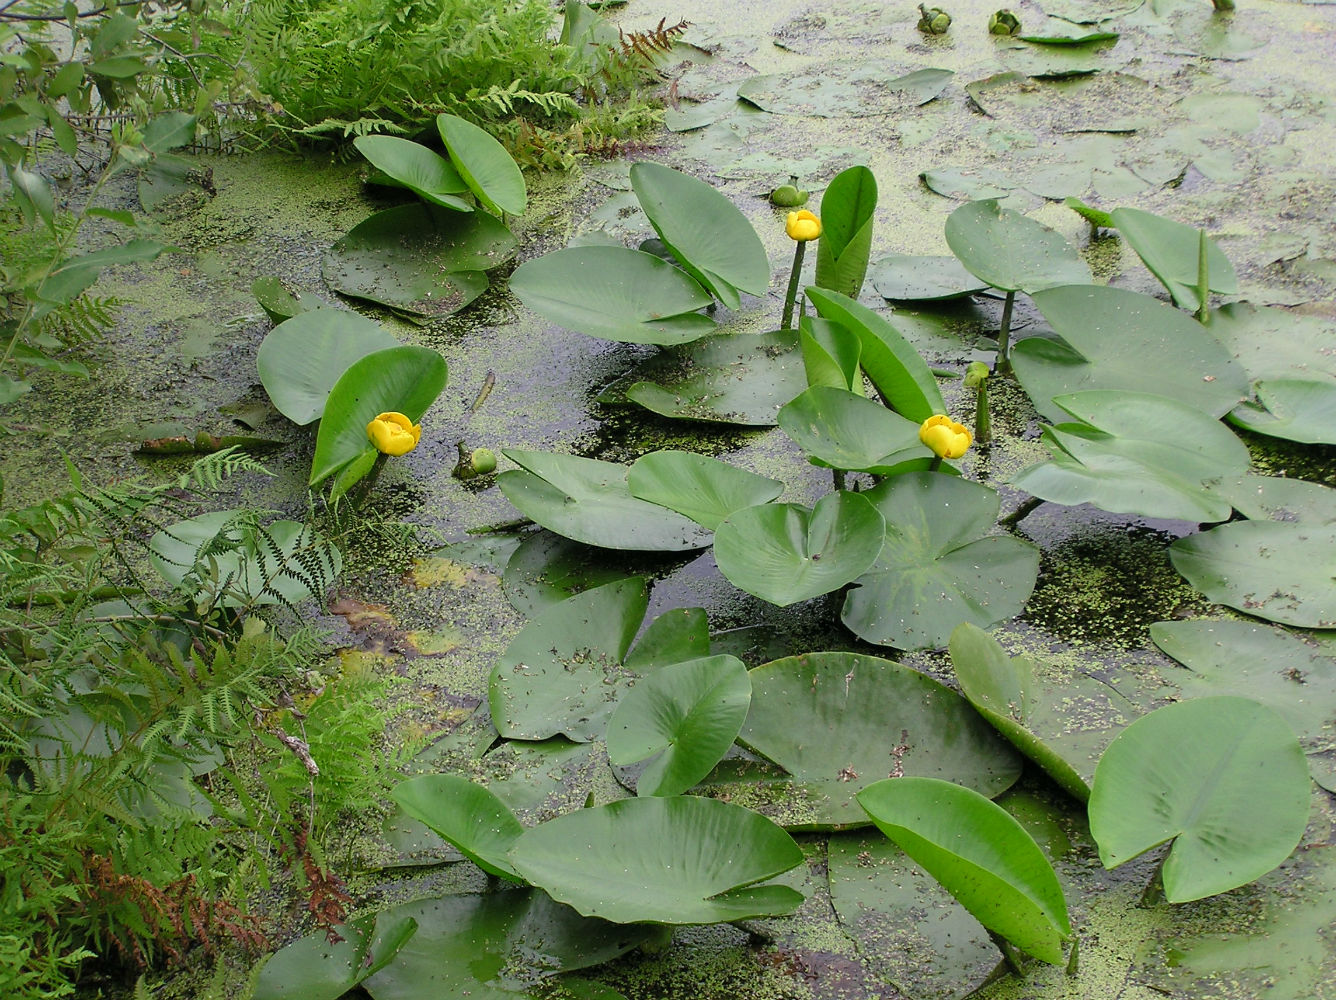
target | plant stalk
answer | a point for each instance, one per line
(790, 296)
(1009, 953)
(1003, 363)
(1020, 513)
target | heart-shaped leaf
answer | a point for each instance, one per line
(980, 855)
(489, 171)
(547, 568)
(847, 207)
(839, 430)
(1010, 251)
(674, 637)
(704, 230)
(411, 164)
(1170, 251)
(1273, 498)
(784, 553)
(678, 860)
(688, 714)
(900, 277)
(615, 294)
(301, 358)
(466, 814)
(704, 489)
(1223, 778)
(938, 565)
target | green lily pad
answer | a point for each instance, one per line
(967, 184)
(847, 207)
(674, 637)
(1090, 38)
(412, 165)
(302, 357)
(1010, 251)
(1294, 409)
(590, 501)
(1275, 343)
(1223, 778)
(839, 430)
(728, 378)
(548, 568)
(1136, 453)
(938, 566)
(1118, 339)
(1272, 498)
(685, 715)
(980, 854)
(849, 89)
(902, 277)
(420, 259)
(615, 294)
(280, 302)
(1170, 251)
(1281, 572)
(1266, 664)
(784, 553)
(311, 968)
(839, 721)
(484, 165)
(702, 488)
(1089, 11)
(705, 231)
(677, 860)
(562, 674)
(466, 815)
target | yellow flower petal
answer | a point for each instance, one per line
(393, 433)
(803, 226)
(945, 437)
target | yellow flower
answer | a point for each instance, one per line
(945, 437)
(803, 226)
(393, 433)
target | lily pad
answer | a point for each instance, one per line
(702, 488)
(674, 637)
(1223, 778)
(466, 814)
(1136, 453)
(1118, 339)
(1170, 251)
(280, 302)
(1272, 498)
(677, 860)
(728, 378)
(1294, 409)
(311, 968)
(615, 294)
(839, 721)
(784, 553)
(590, 501)
(302, 357)
(418, 259)
(412, 165)
(938, 566)
(901, 277)
(562, 674)
(1010, 251)
(849, 89)
(547, 568)
(685, 716)
(967, 184)
(840, 430)
(484, 165)
(1276, 343)
(1281, 572)
(980, 854)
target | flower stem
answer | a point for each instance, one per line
(1004, 336)
(983, 425)
(936, 463)
(792, 294)
(1019, 514)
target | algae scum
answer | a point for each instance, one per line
(1219, 121)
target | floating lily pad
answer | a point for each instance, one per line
(1170, 251)
(906, 278)
(589, 501)
(311, 968)
(410, 164)
(548, 568)
(1010, 251)
(1294, 409)
(1119, 339)
(615, 294)
(1271, 498)
(784, 553)
(1090, 38)
(702, 488)
(1281, 572)
(845, 90)
(280, 302)
(728, 378)
(678, 860)
(1089, 11)
(562, 673)
(839, 721)
(1276, 343)
(938, 566)
(484, 165)
(967, 184)
(467, 815)
(419, 259)
(839, 430)
(1136, 453)
(1223, 778)
(674, 637)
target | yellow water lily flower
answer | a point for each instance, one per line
(945, 437)
(394, 433)
(803, 226)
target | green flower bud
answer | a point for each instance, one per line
(975, 374)
(1004, 22)
(483, 461)
(789, 195)
(933, 20)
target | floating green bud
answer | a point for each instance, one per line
(789, 195)
(1004, 22)
(483, 461)
(933, 20)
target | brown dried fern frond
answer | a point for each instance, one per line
(657, 41)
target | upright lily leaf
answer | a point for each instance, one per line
(831, 354)
(980, 855)
(489, 171)
(1170, 251)
(1223, 778)
(842, 431)
(1117, 339)
(839, 721)
(1134, 453)
(900, 375)
(562, 673)
(704, 230)
(1294, 409)
(301, 358)
(703, 488)
(784, 553)
(466, 814)
(688, 714)
(1010, 251)
(938, 565)
(677, 860)
(1281, 572)
(615, 294)
(590, 501)
(902, 277)
(311, 968)
(403, 380)
(847, 207)
(427, 174)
